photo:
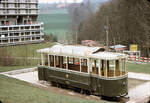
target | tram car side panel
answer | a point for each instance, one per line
(65, 77)
(114, 88)
(96, 85)
(109, 87)
(41, 73)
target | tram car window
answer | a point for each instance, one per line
(98, 72)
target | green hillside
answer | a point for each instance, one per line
(57, 23)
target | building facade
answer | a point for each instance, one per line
(18, 22)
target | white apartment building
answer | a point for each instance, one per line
(18, 22)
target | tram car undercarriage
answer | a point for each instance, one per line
(81, 67)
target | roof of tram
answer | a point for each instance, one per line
(81, 52)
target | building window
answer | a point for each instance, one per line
(3, 22)
(7, 22)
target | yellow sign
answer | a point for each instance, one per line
(133, 47)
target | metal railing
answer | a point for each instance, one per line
(139, 59)
(20, 24)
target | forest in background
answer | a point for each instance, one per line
(127, 22)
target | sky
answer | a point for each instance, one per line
(56, 1)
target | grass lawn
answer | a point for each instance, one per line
(139, 68)
(15, 91)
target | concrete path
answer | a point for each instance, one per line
(141, 93)
(139, 76)
(29, 75)
(20, 71)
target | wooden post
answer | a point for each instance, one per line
(102, 69)
(95, 69)
(106, 69)
(61, 62)
(125, 64)
(88, 63)
(67, 63)
(42, 59)
(48, 60)
(99, 68)
(80, 65)
(121, 66)
(54, 61)
(114, 68)
(124, 61)
(117, 66)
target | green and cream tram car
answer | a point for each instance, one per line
(85, 68)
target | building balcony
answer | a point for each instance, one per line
(20, 35)
(17, 13)
(17, 8)
(19, 1)
(22, 25)
(19, 39)
(19, 28)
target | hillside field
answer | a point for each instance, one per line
(56, 23)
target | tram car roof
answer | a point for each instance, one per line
(81, 52)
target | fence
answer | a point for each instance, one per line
(139, 59)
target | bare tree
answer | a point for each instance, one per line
(129, 23)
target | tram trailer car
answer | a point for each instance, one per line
(86, 68)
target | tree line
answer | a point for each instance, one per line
(127, 22)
